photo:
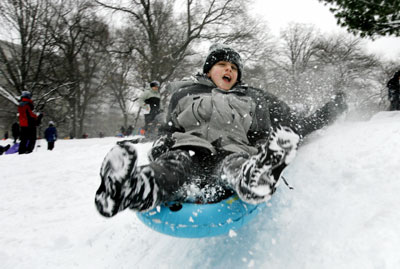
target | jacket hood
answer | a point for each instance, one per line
(24, 101)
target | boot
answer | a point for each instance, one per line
(254, 178)
(122, 185)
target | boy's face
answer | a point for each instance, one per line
(224, 75)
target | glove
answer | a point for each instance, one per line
(39, 119)
(160, 146)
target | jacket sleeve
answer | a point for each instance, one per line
(393, 87)
(143, 97)
(170, 125)
(30, 113)
(178, 90)
(320, 118)
(282, 114)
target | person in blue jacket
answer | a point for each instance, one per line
(51, 135)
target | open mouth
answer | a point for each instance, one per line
(226, 78)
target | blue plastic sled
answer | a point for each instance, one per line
(13, 149)
(201, 220)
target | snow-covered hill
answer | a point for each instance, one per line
(344, 211)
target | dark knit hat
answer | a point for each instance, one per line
(221, 52)
(154, 83)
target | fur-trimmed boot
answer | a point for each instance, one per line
(254, 178)
(122, 185)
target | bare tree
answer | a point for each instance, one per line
(161, 37)
(348, 65)
(294, 68)
(81, 39)
(299, 47)
(314, 67)
(24, 56)
(119, 81)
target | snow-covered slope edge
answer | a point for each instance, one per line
(343, 211)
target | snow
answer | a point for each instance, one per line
(342, 213)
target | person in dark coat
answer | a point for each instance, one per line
(4, 149)
(50, 134)
(150, 101)
(393, 86)
(28, 120)
(15, 131)
(221, 137)
(129, 131)
(123, 131)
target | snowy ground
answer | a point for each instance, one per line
(344, 211)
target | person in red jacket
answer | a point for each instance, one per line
(28, 121)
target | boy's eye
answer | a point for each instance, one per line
(233, 66)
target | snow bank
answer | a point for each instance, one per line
(343, 211)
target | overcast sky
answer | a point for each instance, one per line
(278, 13)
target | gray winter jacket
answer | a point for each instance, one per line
(202, 115)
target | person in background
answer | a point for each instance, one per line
(28, 121)
(393, 86)
(221, 137)
(50, 134)
(123, 131)
(150, 101)
(129, 131)
(15, 131)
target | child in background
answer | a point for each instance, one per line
(51, 135)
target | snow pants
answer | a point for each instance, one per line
(191, 174)
(50, 145)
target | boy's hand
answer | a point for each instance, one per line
(146, 108)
